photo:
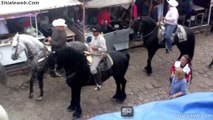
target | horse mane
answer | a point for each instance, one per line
(149, 20)
(71, 58)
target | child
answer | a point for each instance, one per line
(178, 86)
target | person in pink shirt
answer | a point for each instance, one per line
(170, 21)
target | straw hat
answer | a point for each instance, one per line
(59, 22)
(173, 3)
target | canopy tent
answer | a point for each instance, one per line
(195, 106)
(17, 7)
(106, 3)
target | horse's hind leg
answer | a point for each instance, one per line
(40, 82)
(76, 99)
(120, 88)
(31, 84)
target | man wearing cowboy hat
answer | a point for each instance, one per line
(57, 40)
(59, 37)
(170, 21)
(98, 49)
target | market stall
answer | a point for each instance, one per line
(116, 31)
(22, 11)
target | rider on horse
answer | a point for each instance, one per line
(98, 49)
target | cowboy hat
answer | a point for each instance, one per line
(59, 22)
(173, 3)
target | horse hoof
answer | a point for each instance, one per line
(149, 74)
(115, 97)
(70, 108)
(39, 98)
(30, 96)
(76, 115)
(118, 99)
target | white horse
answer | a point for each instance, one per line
(36, 53)
(3, 114)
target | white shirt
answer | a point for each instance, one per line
(172, 16)
(100, 43)
(186, 68)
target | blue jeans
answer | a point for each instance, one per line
(168, 34)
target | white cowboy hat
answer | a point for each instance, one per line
(173, 3)
(59, 22)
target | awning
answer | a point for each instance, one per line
(9, 8)
(106, 3)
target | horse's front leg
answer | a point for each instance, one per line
(40, 75)
(31, 84)
(76, 97)
(71, 107)
(151, 53)
(210, 65)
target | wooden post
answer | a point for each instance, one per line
(150, 7)
(83, 21)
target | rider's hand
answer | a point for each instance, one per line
(49, 39)
(94, 48)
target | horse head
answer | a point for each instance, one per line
(144, 26)
(17, 47)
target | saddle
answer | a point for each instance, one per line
(105, 64)
(179, 31)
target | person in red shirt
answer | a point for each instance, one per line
(24, 22)
(104, 17)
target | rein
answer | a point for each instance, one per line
(147, 35)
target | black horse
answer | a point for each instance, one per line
(78, 74)
(148, 29)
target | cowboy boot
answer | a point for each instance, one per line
(97, 81)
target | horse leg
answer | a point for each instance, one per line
(71, 107)
(31, 84)
(123, 93)
(210, 65)
(40, 75)
(120, 88)
(76, 91)
(151, 53)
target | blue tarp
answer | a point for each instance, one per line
(194, 106)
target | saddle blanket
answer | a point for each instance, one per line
(180, 32)
(105, 64)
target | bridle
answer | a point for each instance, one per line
(150, 33)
